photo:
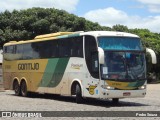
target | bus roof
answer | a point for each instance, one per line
(52, 35)
(109, 33)
(69, 34)
(42, 38)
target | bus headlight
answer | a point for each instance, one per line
(110, 88)
(142, 87)
(107, 87)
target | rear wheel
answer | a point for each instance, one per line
(79, 98)
(24, 89)
(16, 88)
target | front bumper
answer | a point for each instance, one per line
(108, 94)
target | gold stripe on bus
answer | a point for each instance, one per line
(120, 85)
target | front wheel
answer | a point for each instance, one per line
(16, 88)
(79, 98)
(24, 89)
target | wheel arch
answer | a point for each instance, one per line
(73, 86)
(15, 80)
(24, 79)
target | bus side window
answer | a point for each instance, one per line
(4, 49)
(79, 44)
(27, 51)
(54, 48)
(91, 56)
(10, 49)
(63, 48)
(8, 52)
(46, 49)
(76, 46)
(19, 52)
(35, 47)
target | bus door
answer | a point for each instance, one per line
(91, 58)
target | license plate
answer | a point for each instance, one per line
(126, 94)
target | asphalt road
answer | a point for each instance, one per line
(10, 102)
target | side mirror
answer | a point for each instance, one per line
(101, 55)
(153, 55)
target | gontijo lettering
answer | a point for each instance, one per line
(28, 66)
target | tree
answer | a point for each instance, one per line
(120, 28)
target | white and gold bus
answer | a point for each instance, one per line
(95, 64)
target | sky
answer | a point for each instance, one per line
(131, 13)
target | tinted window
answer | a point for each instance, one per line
(19, 52)
(66, 47)
(19, 49)
(54, 49)
(120, 43)
(45, 49)
(71, 47)
(91, 56)
(8, 52)
(8, 49)
(27, 51)
(77, 47)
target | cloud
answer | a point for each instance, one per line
(153, 5)
(111, 16)
(24, 4)
(108, 16)
(150, 1)
(154, 8)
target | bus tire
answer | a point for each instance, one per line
(16, 88)
(79, 98)
(115, 100)
(24, 91)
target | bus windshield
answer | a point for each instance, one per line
(123, 66)
(124, 59)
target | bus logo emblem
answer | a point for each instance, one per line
(91, 89)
